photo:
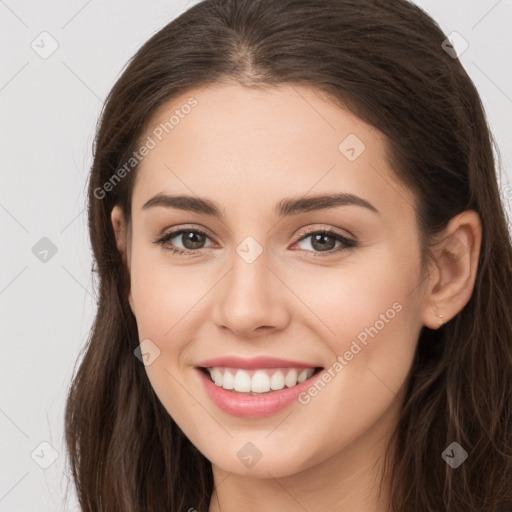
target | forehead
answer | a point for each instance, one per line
(258, 145)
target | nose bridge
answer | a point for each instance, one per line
(249, 275)
(248, 284)
(248, 297)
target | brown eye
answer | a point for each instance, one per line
(323, 241)
(191, 240)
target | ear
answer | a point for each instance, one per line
(123, 246)
(451, 281)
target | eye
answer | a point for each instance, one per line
(320, 241)
(192, 239)
(324, 241)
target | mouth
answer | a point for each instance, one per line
(261, 381)
(252, 388)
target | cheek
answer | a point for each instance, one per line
(362, 296)
(373, 347)
(163, 294)
(370, 312)
(163, 301)
(166, 301)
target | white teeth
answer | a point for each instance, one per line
(291, 378)
(259, 381)
(277, 381)
(303, 375)
(242, 381)
(217, 377)
(229, 380)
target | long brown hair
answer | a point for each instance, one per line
(384, 60)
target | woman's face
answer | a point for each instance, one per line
(265, 290)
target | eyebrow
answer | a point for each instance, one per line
(291, 206)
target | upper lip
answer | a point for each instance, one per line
(253, 363)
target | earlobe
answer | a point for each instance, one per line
(456, 262)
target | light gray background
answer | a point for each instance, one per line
(49, 109)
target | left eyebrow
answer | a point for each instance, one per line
(286, 207)
(294, 206)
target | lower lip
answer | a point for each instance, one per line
(253, 406)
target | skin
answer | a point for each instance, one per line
(247, 149)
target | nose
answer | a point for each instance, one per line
(251, 301)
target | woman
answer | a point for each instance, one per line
(304, 272)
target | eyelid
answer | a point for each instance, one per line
(346, 242)
(177, 231)
(163, 239)
(324, 228)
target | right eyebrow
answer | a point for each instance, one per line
(187, 203)
(290, 206)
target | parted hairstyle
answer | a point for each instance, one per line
(384, 61)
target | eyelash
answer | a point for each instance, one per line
(347, 242)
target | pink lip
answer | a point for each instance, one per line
(253, 406)
(253, 363)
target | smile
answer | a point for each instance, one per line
(258, 381)
(256, 387)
